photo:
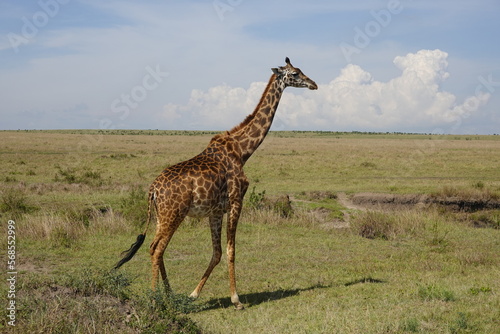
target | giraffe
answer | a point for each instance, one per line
(213, 183)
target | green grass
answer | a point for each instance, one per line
(79, 199)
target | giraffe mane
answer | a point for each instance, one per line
(250, 117)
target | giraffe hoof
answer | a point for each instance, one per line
(239, 306)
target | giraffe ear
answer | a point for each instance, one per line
(276, 71)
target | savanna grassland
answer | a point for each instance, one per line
(380, 233)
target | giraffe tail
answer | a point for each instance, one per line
(129, 253)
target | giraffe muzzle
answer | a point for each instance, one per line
(312, 85)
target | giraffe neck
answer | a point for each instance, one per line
(251, 132)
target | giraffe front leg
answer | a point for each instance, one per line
(234, 215)
(235, 299)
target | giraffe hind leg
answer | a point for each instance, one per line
(157, 249)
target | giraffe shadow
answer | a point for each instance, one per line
(257, 298)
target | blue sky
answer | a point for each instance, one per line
(396, 65)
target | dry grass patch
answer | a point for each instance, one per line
(390, 225)
(477, 192)
(67, 229)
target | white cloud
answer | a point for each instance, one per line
(412, 101)
(219, 108)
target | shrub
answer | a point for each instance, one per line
(438, 236)
(390, 226)
(281, 205)
(65, 175)
(15, 202)
(375, 225)
(255, 200)
(160, 312)
(71, 175)
(170, 303)
(135, 206)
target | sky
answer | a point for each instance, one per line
(385, 66)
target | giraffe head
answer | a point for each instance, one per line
(293, 76)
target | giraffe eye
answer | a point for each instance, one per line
(295, 74)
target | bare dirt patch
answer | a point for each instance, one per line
(389, 201)
(380, 201)
(31, 265)
(477, 212)
(322, 216)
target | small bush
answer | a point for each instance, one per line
(71, 175)
(65, 175)
(134, 207)
(84, 216)
(90, 176)
(171, 303)
(375, 225)
(160, 312)
(256, 200)
(281, 205)
(15, 202)
(402, 224)
(438, 235)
